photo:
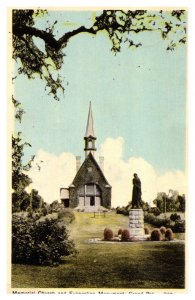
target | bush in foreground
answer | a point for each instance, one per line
(169, 234)
(120, 231)
(39, 241)
(156, 235)
(125, 236)
(146, 230)
(108, 234)
(163, 230)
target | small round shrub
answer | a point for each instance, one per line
(125, 235)
(163, 230)
(146, 230)
(156, 235)
(169, 234)
(108, 234)
(120, 231)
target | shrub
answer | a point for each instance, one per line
(146, 230)
(108, 234)
(163, 230)
(156, 235)
(46, 209)
(66, 214)
(179, 227)
(55, 206)
(157, 222)
(41, 241)
(149, 218)
(156, 211)
(122, 210)
(169, 234)
(175, 217)
(120, 231)
(125, 236)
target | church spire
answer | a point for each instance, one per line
(89, 128)
(89, 135)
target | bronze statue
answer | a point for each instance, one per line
(136, 195)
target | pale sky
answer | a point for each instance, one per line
(138, 95)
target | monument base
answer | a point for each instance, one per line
(136, 222)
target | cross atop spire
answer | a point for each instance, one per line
(89, 128)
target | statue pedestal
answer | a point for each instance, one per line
(136, 222)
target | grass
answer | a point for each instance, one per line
(108, 265)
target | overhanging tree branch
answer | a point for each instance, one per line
(48, 36)
(120, 26)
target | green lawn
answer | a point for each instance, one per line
(108, 265)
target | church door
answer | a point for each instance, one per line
(92, 200)
(89, 195)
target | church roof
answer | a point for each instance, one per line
(89, 128)
(92, 159)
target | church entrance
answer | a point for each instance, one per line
(92, 201)
(89, 195)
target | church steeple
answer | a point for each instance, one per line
(89, 135)
(89, 128)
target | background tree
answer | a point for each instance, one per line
(182, 202)
(145, 206)
(20, 179)
(36, 200)
(173, 200)
(170, 203)
(119, 25)
(160, 201)
(21, 199)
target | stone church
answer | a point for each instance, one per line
(89, 190)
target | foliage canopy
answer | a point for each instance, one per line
(119, 25)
